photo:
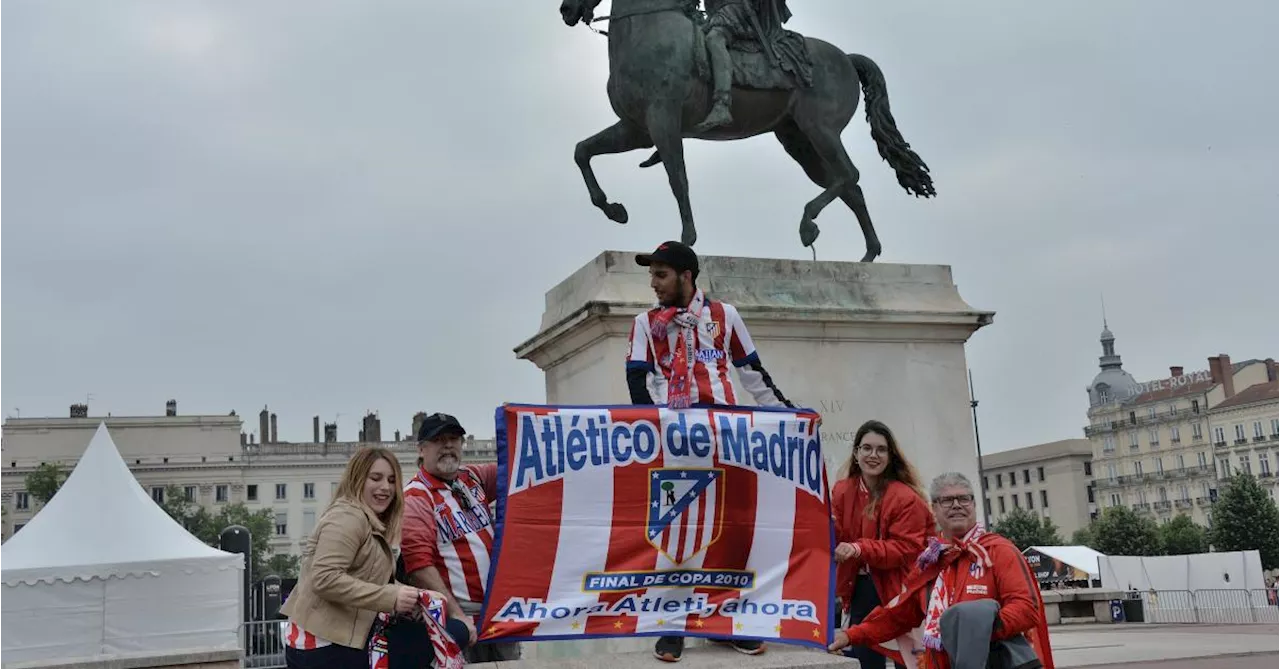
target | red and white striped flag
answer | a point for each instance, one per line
(625, 521)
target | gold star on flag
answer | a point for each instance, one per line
(698, 623)
(493, 628)
(576, 625)
(815, 634)
(661, 622)
(777, 628)
(737, 626)
(617, 624)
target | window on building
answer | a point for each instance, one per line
(22, 501)
(1246, 465)
(1175, 434)
(1153, 436)
(1108, 444)
(221, 493)
(1224, 468)
(1133, 418)
(1195, 406)
(999, 481)
(1182, 463)
(1164, 494)
(1040, 473)
(189, 493)
(1196, 432)
(1115, 499)
(308, 491)
(1257, 431)
(251, 492)
(1219, 435)
(1173, 408)
(282, 523)
(1264, 464)
(1026, 477)
(1202, 459)
(986, 505)
(1088, 469)
(1142, 497)
(1017, 501)
(1240, 433)
(1159, 465)
(1000, 503)
(308, 522)
(984, 483)
(157, 494)
(1204, 488)
(1133, 440)
(1030, 500)
(1111, 472)
(1275, 427)
(1137, 468)
(1184, 492)
(1151, 412)
(1089, 491)
(282, 490)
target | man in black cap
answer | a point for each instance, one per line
(447, 535)
(679, 355)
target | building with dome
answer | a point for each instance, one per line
(1160, 446)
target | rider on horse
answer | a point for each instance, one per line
(758, 21)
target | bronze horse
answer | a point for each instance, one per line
(658, 95)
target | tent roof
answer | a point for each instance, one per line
(1081, 557)
(101, 524)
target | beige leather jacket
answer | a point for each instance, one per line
(345, 576)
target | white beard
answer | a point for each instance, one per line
(448, 466)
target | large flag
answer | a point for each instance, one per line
(646, 521)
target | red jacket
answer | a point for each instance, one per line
(1009, 581)
(890, 540)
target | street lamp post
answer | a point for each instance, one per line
(973, 404)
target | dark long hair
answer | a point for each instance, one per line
(899, 468)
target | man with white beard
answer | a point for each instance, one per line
(447, 535)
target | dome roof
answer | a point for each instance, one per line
(1110, 385)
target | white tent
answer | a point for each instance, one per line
(103, 572)
(1234, 570)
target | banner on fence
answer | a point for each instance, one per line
(645, 521)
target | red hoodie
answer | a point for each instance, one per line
(890, 539)
(1009, 581)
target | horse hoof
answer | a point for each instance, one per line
(616, 212)
(808, 232)
(870, 255)
(651, 160)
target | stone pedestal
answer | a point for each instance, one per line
(853, 341)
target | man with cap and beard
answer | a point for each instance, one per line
(447, 537)
(679, 354)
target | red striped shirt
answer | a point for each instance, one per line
(452, 530)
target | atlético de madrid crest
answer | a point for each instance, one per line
(686, 510)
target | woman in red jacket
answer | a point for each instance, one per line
(882, 524)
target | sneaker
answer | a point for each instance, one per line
(669, 648)
(749, 646)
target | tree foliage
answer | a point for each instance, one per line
(208, 527)
(1244, 518)
(283, 565)
(1181, 536)
(1025, 528)
(1083, 537)
(44, 481)
(1121, 531)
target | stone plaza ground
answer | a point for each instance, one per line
(1102, 646)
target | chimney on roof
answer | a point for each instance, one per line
(244, 438)
(372, 427)
(1175, 372)
(315, 429)
(1220, 371)
(171, 408)
(274, 440)
(251, 436)
(1271, 369)
(79, 410)
(264, 424)
(330, 432)
(397, 435)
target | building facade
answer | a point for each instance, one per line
(1162, 446)
(1054, 480)
(207, 458)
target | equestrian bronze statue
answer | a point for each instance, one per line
(734, 72)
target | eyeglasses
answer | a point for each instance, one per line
(460, 494)
(954, 500)
(867, 449)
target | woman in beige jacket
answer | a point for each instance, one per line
(347, 568)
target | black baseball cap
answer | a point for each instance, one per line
(678, 256)
(437, 424)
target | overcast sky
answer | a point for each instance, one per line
(332, 207)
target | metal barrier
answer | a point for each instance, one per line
(264, 644)
(1222, 607)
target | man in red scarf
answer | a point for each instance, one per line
(973, 591)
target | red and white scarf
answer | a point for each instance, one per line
(680, 393)
(432, 609)
(940, 598)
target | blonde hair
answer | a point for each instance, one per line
(351, 488)
(899, 468)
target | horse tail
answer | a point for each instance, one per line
(913, 174)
